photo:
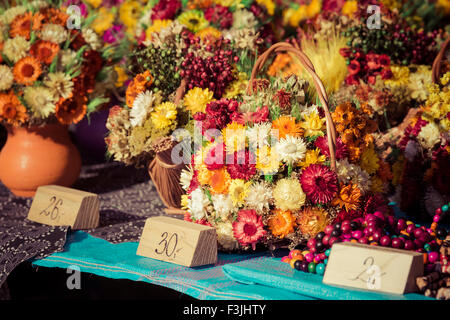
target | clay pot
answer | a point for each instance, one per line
(38, 156)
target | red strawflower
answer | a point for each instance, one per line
(354, 67)
(194, 182)
(248, 228)
(165, 9)
(333, 5)
(283, 98)
(341, 149)
(219, 15)
(260, 115)
(215, 158)
(384, 60)
(344, 215)
(242, 165)
(319, 183)
(386, 73)
(372, 61)
(351, 80)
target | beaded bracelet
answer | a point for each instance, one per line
(375, 229)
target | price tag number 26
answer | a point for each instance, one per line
(168, 245)
(52, 210)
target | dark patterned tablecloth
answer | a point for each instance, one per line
(127, 197)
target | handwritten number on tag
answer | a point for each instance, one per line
(169, 246)
(374, 273)
(53, 209)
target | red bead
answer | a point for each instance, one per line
(363, 240)
(409, 245)
(385, 241)
(377, 235)
(410, 228)
(328, 229)
(397, 243)
(325, 240)
(311, 243)
(433, 257)
(438, 211)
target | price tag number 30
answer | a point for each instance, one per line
(168, 245)
(52, 210)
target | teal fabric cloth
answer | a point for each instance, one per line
(233, 277)
(271, 272)
(119, 261)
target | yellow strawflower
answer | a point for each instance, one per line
(164, 114)
(196, 99)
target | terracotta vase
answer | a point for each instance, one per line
(38, 156)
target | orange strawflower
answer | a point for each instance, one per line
(27, 70)
(219, 181)
(199, 4)
(281, 223)
(11, 110)
(204, 175)
(137, 86)
(349, 197)
(23, 24)
(72, 109)
(312, 220)
(44, 51)
(55, 16)
(286, 125)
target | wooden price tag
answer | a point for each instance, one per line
(373, 268)
(177, 241)
(61, 206)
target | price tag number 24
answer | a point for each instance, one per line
(168, 245)
(52, 210)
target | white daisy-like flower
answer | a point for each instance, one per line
(259, 134)
(54, 33)
(291, 149)
(344, 171)
(9, 15)
(186, 177)
(225, 236)
(429, 136)
(16, 48)
(67, 56)
(59, 84)
(6, 77)
(348, 172)
(142, 106)
(259, 196)
(243, 19)
(309, 110)
(411, 150)
(39, 4)
(223, 205)
(91, 38)
(198, 204)
(361, 178)
(40, 100)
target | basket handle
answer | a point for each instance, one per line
(436, 69)
(321, 92)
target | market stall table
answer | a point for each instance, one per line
(127, 199)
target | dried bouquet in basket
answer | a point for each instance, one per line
(49, 68)
(175, 73)
(272, 170)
